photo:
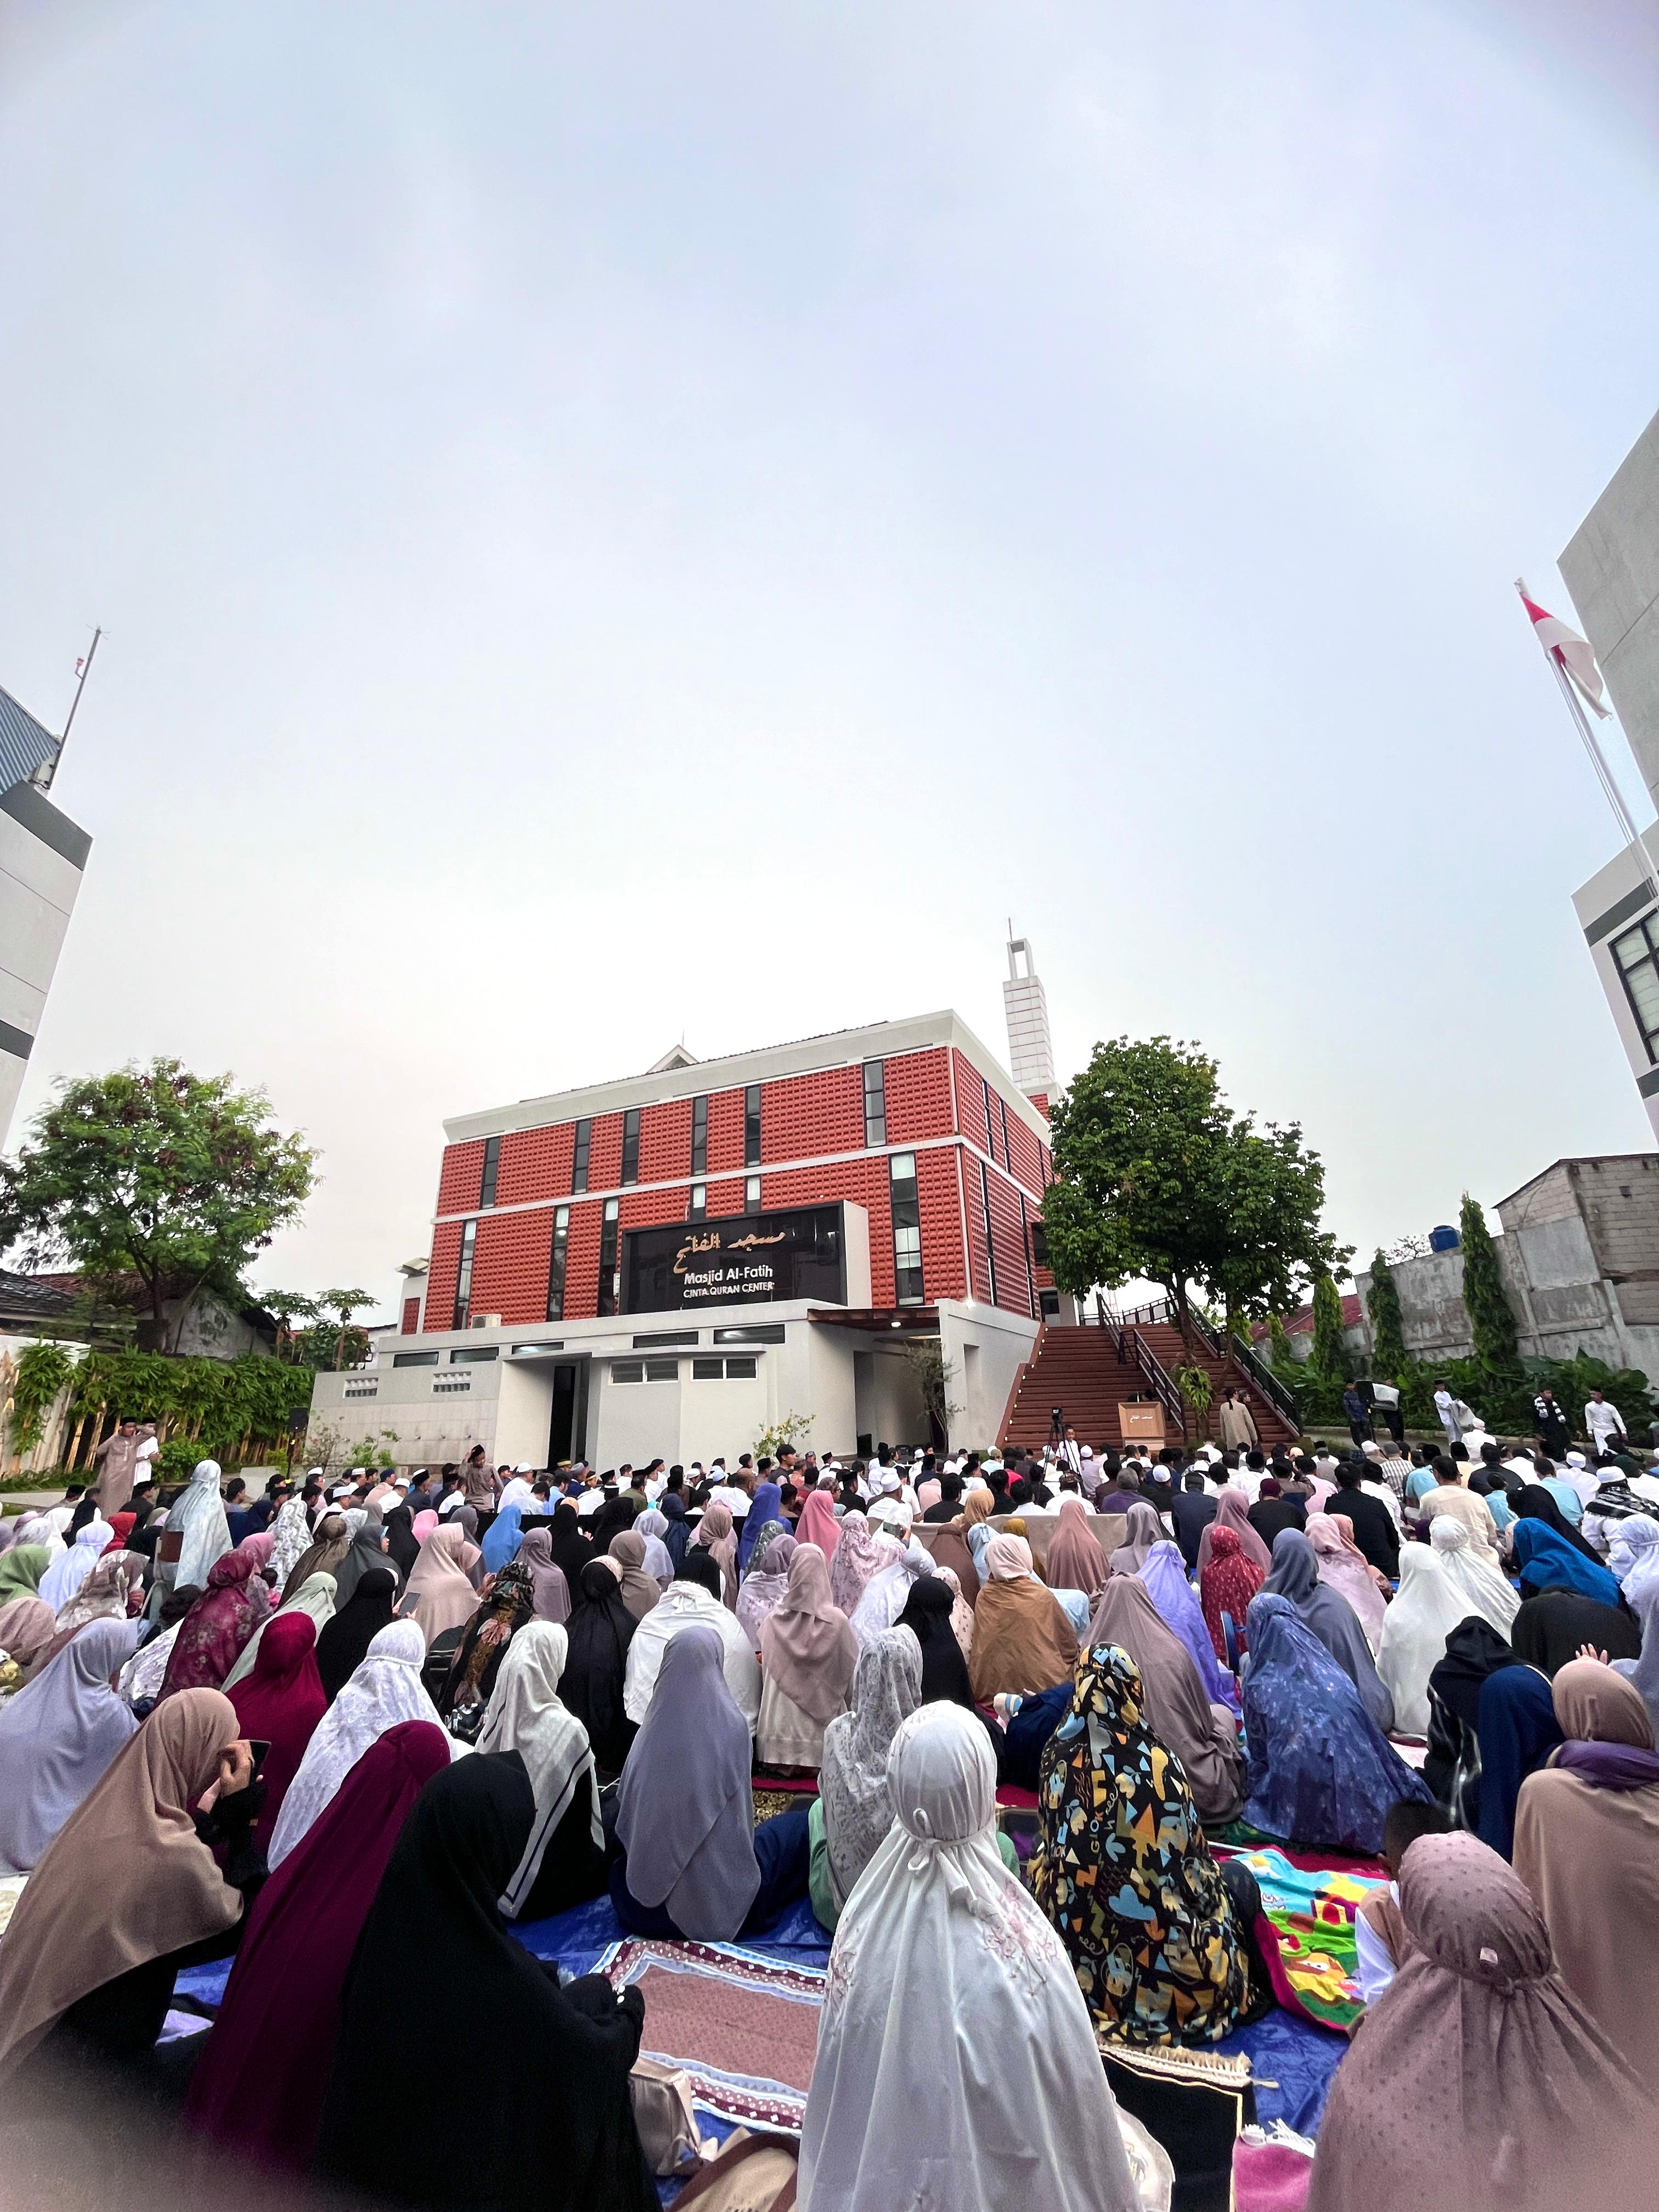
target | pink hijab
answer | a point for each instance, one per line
(1344, 1566)
(1232, 1510)
(1075, 1558)
(818, 1524)
(1514, 2094)
(423, 1524)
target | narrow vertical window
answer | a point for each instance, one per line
(699, 1136)
(698, 1209)
(578, 1161)
(609, 1273)
(752, 1126)
(1002, 1117)
(555, 1264)
(990, 1126)
(907, 1228)
(630, 1168)
(1028, 1237)
(985, 1215)
(463, 1278)
(492, 1162)
(875, 1103)
(752, 1194)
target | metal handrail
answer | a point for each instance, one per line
(1265, 1380)
(1202, 1330)
(1155, 1316)
(1106, 1319)
(1151, 1370)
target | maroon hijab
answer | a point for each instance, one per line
(280, 1702)
(257, 2087)
(212, 1633)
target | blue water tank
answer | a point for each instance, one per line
(1444, 1239)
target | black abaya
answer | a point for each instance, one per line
(344, 1641)
(1550, 1627)
(434, 1957)
(600, 1630)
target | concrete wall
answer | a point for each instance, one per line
(984, 1348)
(1562, 1237)
(1615, 898)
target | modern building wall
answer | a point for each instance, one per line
(980, 1150)
(43, 855)
(1612, 570)
(1025, 1007)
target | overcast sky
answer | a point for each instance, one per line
(621, 522)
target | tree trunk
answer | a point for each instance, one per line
(1228, 1362)
(1176, 1293)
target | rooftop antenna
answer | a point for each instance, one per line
(83, 670)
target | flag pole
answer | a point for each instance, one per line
(86, 671)
(1604, 775)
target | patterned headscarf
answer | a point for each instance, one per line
(1125, 1875)
(853, 1780)
(1226, 1585)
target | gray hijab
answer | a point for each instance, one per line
(853, 1780)
(57, 1735)
(686, 1814)
(1294, 1575)
(1143, 1530)
(363, 1526)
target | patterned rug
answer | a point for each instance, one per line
(1312, 1912)
(760, 2017)
(770, 1800)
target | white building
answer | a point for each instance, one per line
(43, 855)
(1612, 570)
(1025, 1005)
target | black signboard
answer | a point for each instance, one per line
(749, 1259)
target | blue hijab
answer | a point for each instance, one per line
(1518, 1730)
(1549, 1561)
(671, 1506)
(1322, 1773)
(766, 1505)
(503, 1540)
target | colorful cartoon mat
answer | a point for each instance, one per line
(1312, 1913)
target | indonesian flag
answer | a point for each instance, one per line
(1571, 651)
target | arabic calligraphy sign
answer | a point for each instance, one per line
(750, 1259)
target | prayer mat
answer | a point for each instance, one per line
(772, 1798)
(1312, 1915)
(743, 2026)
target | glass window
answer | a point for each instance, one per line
(752, 1126)
(463, 1278)
(662, 1370)
(557, 1345)
(414, 1358)
(1048, 1304)
(1636, 956)
(664, 1337)
(609, 1273)
(751, 1203)
(707, 1370)
(699, 1136)
(985, 1216)
(627, 1370)
(698, 1208)
(630, 1169)
(492, 1162)
(1002, 1117)
(875, 1101)
(907, 1228)
(990, 1126)
(762, 1331)
(579, 1162)
(1039, 1244)
(556, 1265)
(472, 1355)
(740, 1370)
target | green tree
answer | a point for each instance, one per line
(1492, 1322)
(154, 1172)
(1326, 1362)
(1156, 1176)
(345, 1303)
(1138, 1139)
(1388, 1326)
(285, 1309)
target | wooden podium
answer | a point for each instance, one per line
(1141, 1422)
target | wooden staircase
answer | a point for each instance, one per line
(1079, 1370)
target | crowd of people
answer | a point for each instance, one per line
(352, 1734)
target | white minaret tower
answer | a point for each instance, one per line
(1030, 1049)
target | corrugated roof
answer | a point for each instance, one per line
(25, 743)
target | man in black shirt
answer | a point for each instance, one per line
(1192, 1510)
(1373, 1529)
(1272, 1512)
(1552, 1419)
(950, 1498)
